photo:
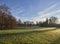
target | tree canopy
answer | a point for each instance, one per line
(6, 19)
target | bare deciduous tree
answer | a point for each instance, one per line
(6, 19)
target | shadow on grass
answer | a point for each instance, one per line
(23, 28)
(23, 33)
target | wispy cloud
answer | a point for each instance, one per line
(16, 11)
(47, 11)
(50, 11)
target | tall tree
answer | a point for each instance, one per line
(6, 19)
(53, 20)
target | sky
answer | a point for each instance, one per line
(33, 10)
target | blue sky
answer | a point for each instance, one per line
(33, 10)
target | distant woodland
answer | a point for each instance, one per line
(8, 21)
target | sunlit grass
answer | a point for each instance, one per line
(24, 30)
(31, 37)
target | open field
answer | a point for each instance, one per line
(30, 36)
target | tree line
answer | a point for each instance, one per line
(8, 21)
(50, 22)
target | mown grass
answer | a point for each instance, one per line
(35, 36)
(22, 30)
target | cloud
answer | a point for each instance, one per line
(41, 15)
(17, 11)
(47, 11)
(50, 11)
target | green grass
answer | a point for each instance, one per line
(30, 36)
